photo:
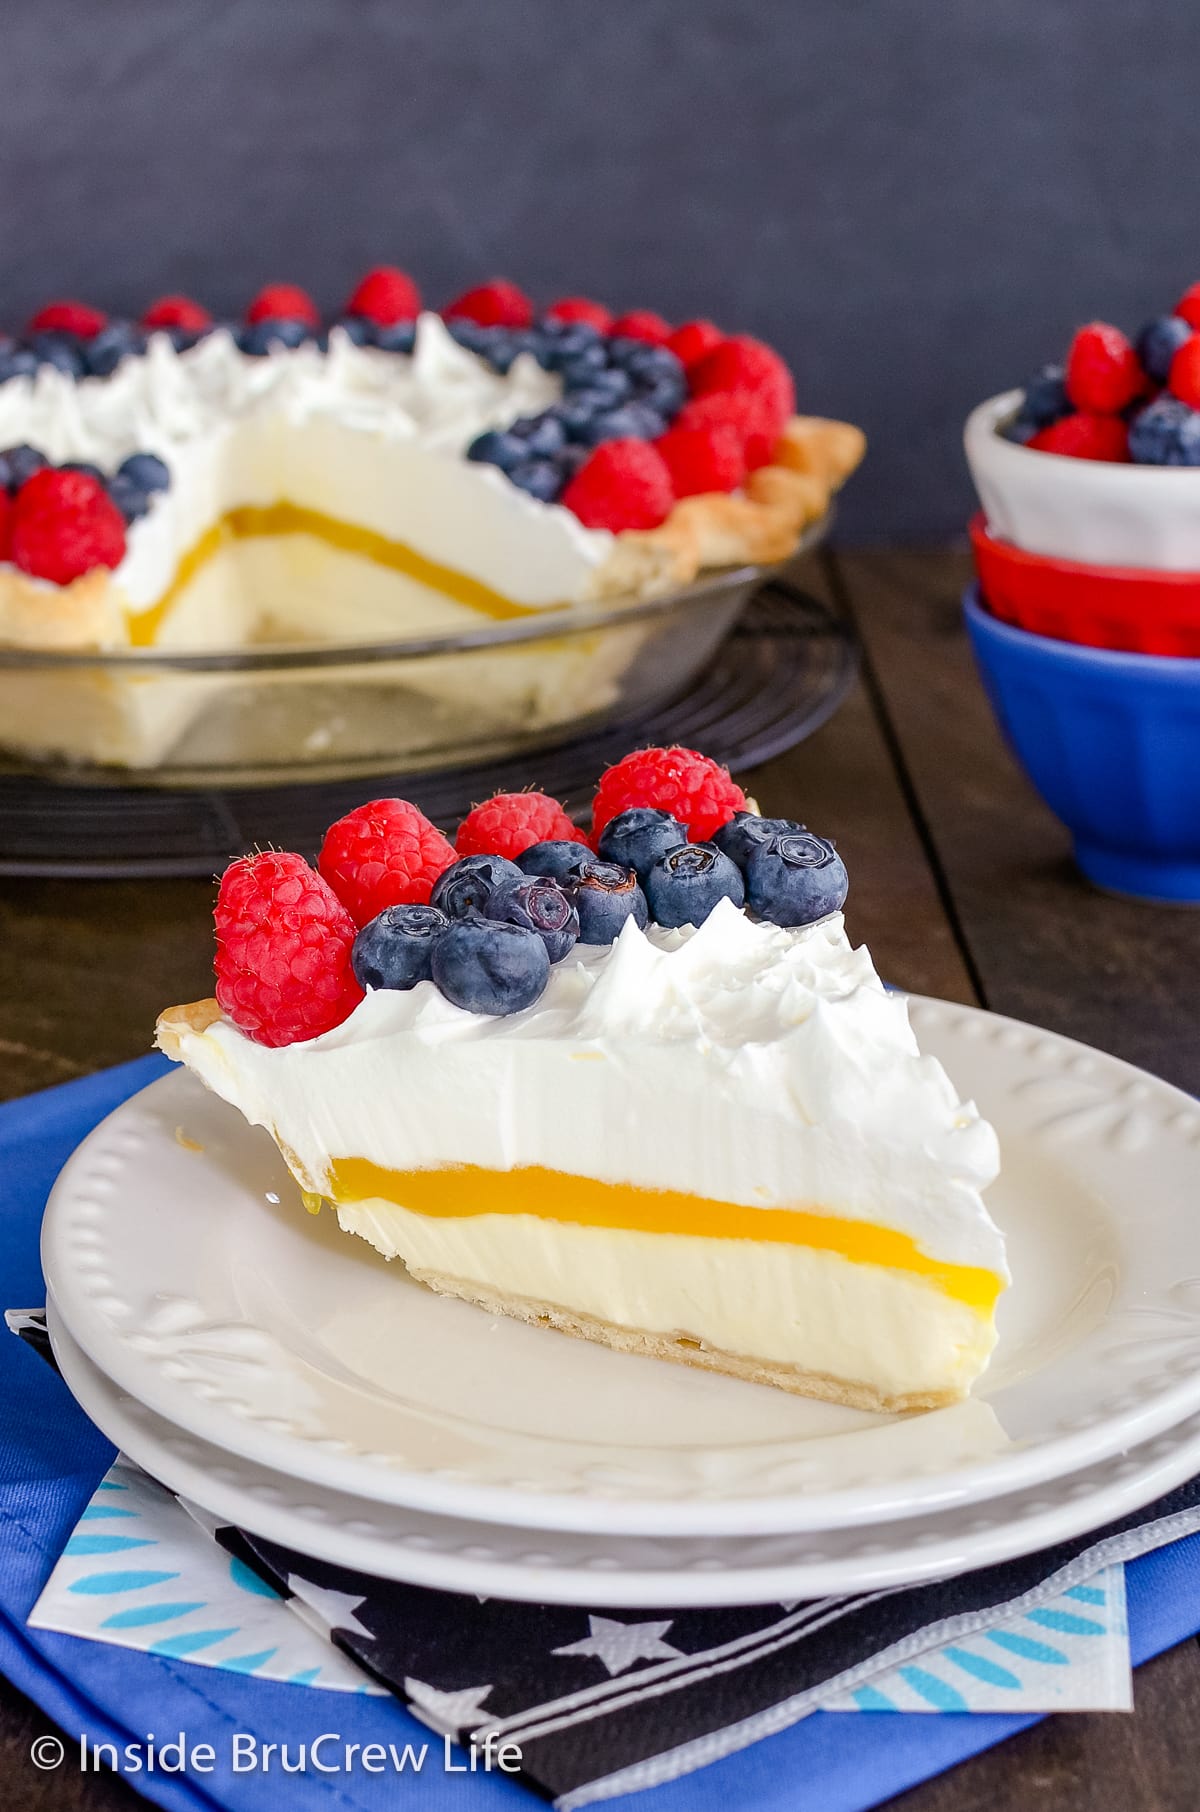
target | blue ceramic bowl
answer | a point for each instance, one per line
(1111, 742)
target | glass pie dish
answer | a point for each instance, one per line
(263, 714)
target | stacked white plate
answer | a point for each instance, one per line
(281, 1375)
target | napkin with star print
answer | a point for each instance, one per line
(603, 1704)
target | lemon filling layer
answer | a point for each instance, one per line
(260, 520)
(466, 1191)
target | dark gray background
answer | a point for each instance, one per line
(915, 200)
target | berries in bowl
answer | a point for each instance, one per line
(1097, 459)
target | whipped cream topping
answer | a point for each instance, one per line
(442, 396)
(372, 438)
(738, 1061)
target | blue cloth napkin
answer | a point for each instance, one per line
(51, 1459)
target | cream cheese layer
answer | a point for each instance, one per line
(784, 1305)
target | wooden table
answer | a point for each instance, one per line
(962, 885)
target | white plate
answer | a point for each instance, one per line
(184, 1266)
(569, 1567)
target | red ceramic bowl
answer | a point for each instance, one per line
(1133, 609)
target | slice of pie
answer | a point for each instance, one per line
(710, 1138)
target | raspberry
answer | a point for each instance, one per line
(743, 410)
(68, 317)
(703, 459)
(177, 311)
(283, 950)
(1083, 436)
(1103, 372)
(642, 324)
(694, 340)
(1184, 378)
(511, 823)
(385, 853)
(5, 522)
(745, 364)
(694, 789)
(1188, 305)
(386, 296)
(494, 304)
(64, 524)
(578, 308)
(624, 484)
(283, 302)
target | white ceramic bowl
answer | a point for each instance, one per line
(1082, 509)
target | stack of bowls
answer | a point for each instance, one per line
(1086, 627)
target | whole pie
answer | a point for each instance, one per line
(180, 484)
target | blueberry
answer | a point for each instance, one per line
(258, 339)
(60, 350)
(489, 967)
(1158, 343)
(502, 351)
(467, 333)
(581, 369)
(147, 470)
(543, 435)
(19, 362)
(637, 838)
(745, 831)
(495, 447)
(1045, 397)
(540, 904)
(665, 399)
(466, 886)
(1020, 430)
(578, 411)
(795, 879)
(119, 340)
(396, 949)
(606, 896)
(566, 341)
(542, 344)
(358, 329)
(20, 463)
(85, 466)
(128, 496)
(557, 857)
(622, 349)
(684, 885)
(654, 364)
(607, 388)
(401, 336)
(184, 338)
(1165, 433)
(541, 478)
(632, 421)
